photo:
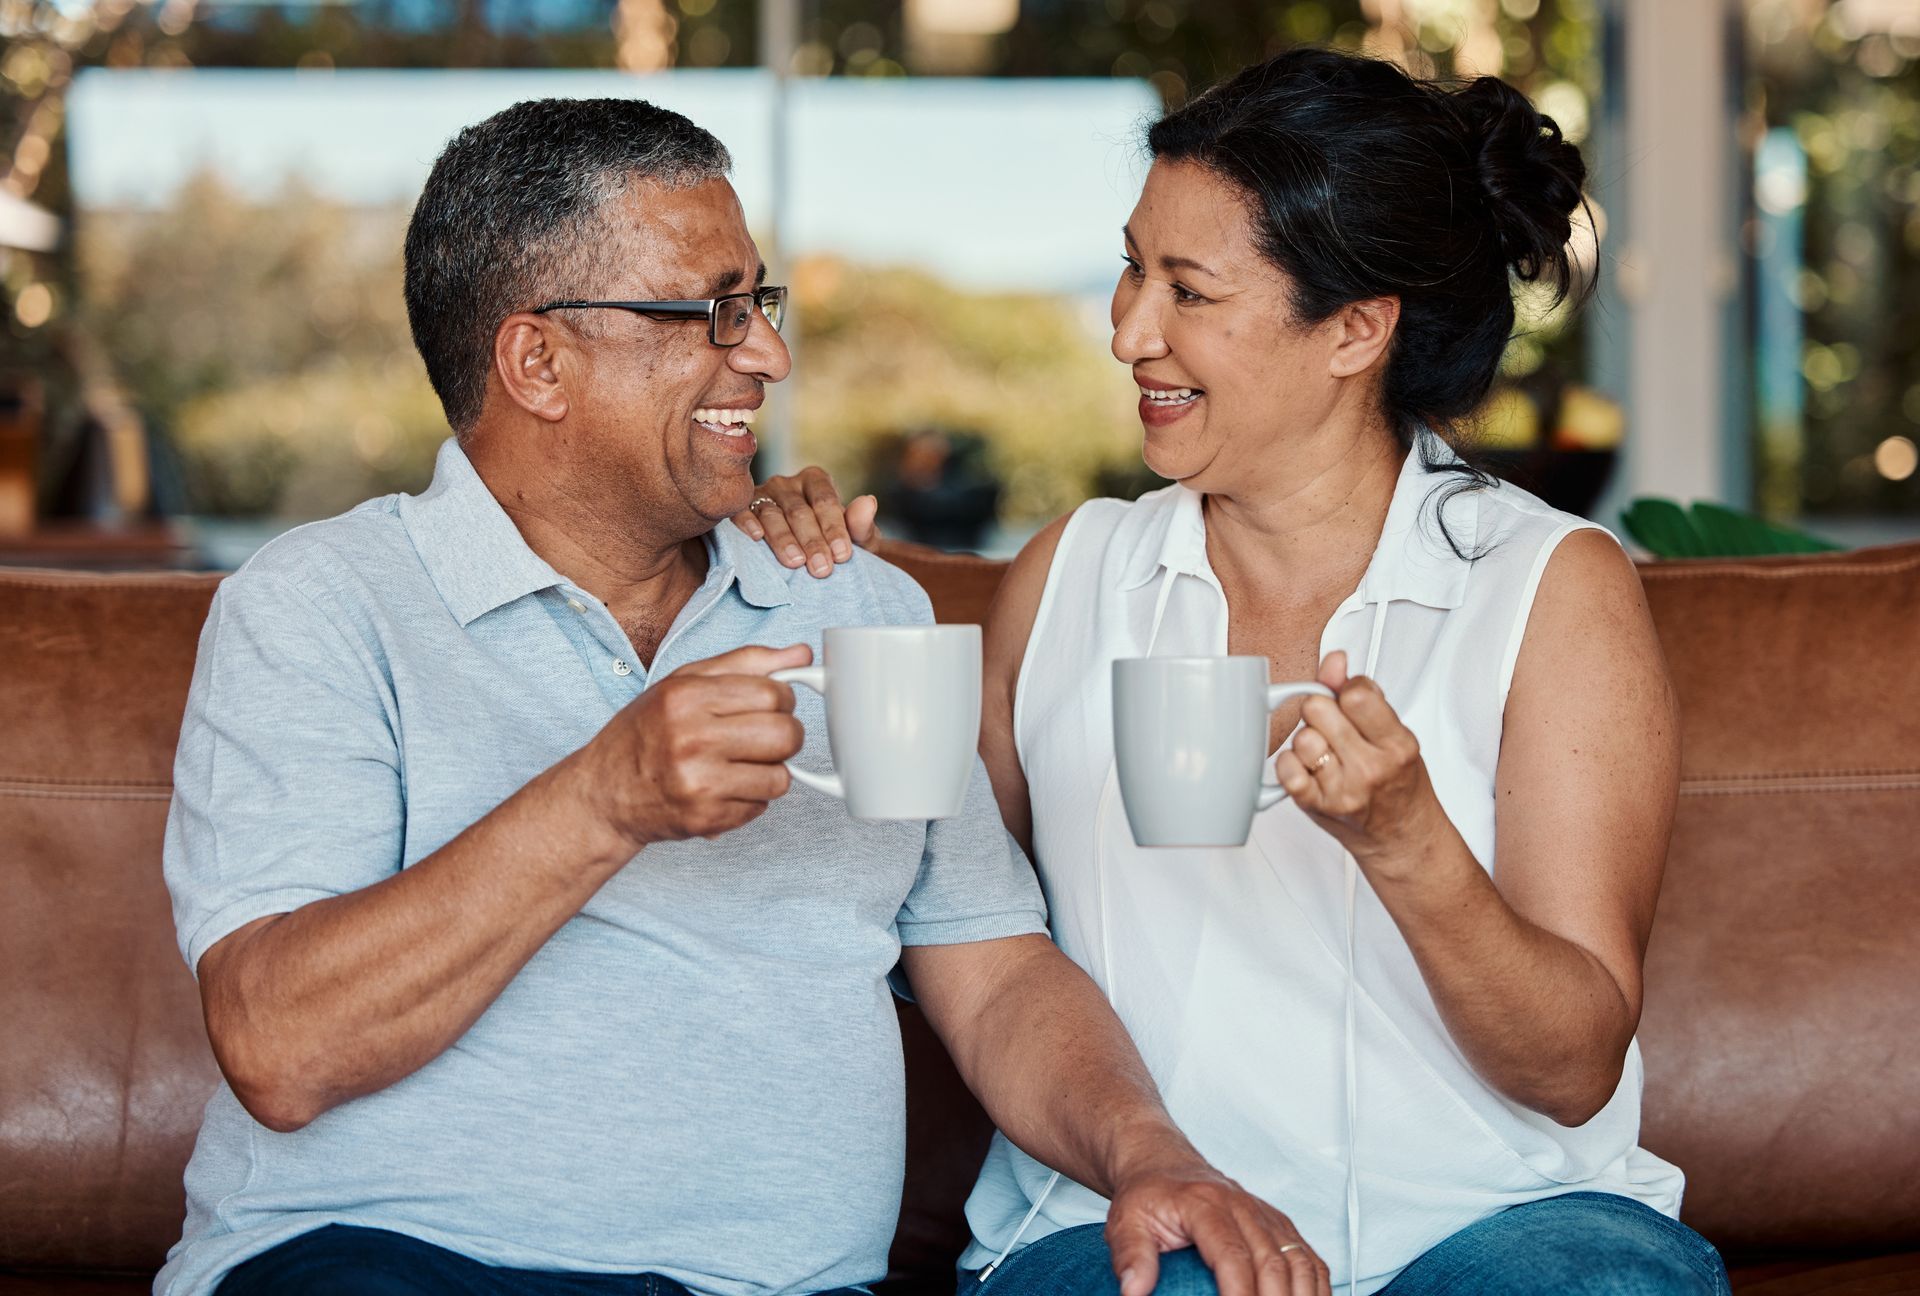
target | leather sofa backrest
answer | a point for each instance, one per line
(104, 1066)
(1782, 1019)
(1783, 975)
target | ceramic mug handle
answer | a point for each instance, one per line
(1272, 794)
(815, 678)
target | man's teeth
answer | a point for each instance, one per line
(723, 418)
(1174, 396)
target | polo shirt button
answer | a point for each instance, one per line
(621, 668)
(577, 605)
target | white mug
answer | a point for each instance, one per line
(903, 718)
(1190, 742)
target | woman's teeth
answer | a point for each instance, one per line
(1174, 396)
(725, 421)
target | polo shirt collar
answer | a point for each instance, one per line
(475, 555)
(479, 561)
(1412, 561)
(750, 566)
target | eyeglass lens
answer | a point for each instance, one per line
(733, 315)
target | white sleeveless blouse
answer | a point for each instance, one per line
(1229, 966)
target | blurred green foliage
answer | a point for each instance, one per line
(887, 350)
(270, 344)
(267, 343)
(1845, 78)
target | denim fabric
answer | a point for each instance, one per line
(342, 1260)
(1579, 1244)
(1075, 1262)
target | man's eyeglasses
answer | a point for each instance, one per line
(728, 318)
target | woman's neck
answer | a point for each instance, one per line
(1306, 524)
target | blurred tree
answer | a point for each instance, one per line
(297, 327)
(1842, 83)
(890, 350)
(270, 341)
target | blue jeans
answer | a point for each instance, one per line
(344, 1260)
(1579, 1244)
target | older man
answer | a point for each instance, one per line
(524, 972)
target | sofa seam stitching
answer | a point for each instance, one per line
(1784, 572)
(1862, 771)
(89, 794)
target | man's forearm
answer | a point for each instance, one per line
(1051, 1063)
(345, 996)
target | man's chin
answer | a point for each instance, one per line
(729, 502)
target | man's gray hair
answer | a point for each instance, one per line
(510, 219)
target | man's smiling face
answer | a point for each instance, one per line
(653, 400)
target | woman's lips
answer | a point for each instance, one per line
(1168, 405)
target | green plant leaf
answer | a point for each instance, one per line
(1709, 530)
(1662, 527)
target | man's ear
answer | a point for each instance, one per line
(531, 358)
(1362, 332)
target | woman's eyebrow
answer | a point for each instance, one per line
(1169, 262)
(1184, 263)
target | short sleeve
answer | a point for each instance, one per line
(975, 882)
(286, 780)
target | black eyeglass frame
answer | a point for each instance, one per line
(774, 295)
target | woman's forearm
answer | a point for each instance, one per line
(1541, 1019)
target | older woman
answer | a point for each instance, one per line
(1404, 1011)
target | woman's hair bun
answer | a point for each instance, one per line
(1531, 174)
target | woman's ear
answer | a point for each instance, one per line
(530, 358)
(1362, 331)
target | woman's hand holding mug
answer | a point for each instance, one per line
(1356, 768)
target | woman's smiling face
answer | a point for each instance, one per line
(1206, 324)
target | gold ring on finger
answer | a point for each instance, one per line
(1291, 1246)
(1326, 758)
(758, 500)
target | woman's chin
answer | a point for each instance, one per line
(1171, 461)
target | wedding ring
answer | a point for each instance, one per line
(758, 500)
(1291, 1246)
(1319, 765)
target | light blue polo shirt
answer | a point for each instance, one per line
(700, 1074)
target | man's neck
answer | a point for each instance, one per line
(644, 575)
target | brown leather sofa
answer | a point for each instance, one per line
(1782, 1026)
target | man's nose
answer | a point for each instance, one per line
(764, 355)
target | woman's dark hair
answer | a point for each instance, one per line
(1366, 182)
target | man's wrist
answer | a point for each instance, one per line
(1149, 1147)
(582, 788)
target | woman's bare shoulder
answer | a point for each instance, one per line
(1017, 602)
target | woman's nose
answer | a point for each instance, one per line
(1137, 334)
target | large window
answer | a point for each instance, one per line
(955, 175)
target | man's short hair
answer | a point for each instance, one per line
(509, 220)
